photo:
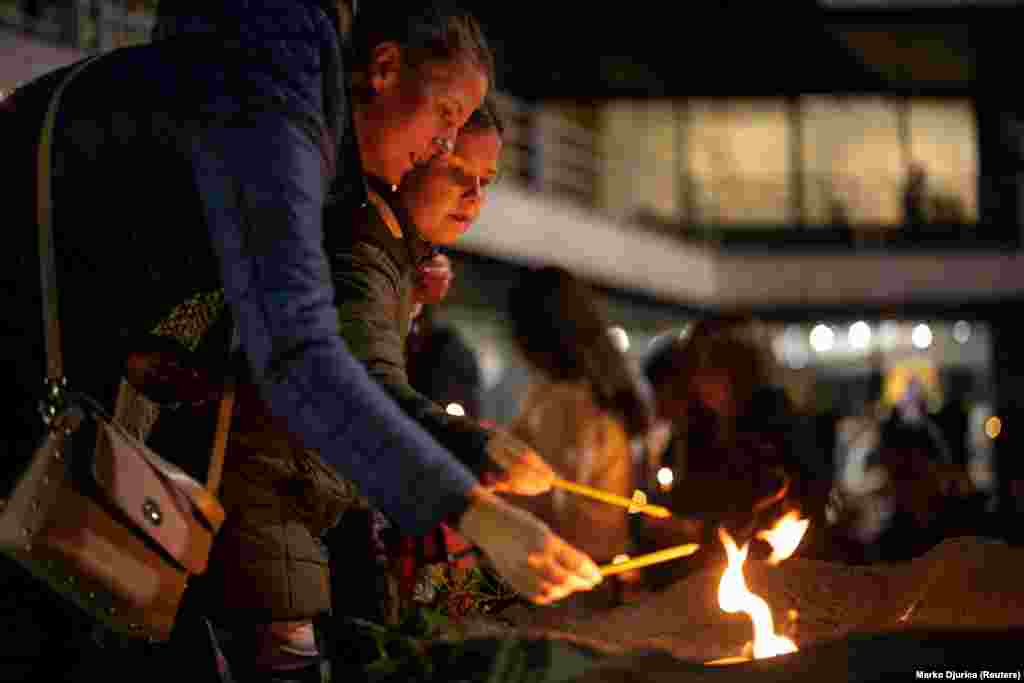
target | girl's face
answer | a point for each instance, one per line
(445, 197)
(411, 109)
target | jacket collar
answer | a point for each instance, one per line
(398, 221)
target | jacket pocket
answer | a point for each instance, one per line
(322, 495)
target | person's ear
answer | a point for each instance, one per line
(385, 67)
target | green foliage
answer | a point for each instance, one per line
(469, 592)
(406, 651)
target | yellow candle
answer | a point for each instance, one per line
(613, 499)
(727, 660)
(665, 555)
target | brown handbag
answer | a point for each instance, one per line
(117, 531)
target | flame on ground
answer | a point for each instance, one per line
(734, 596)
(785, 536)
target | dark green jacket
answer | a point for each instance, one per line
(374, 274)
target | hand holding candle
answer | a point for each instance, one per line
(523, 471)
(665, 555)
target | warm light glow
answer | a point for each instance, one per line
(734, 596)
(888, 334)
(993, 427)
(791, 347)
(619, 559)
(619, 338)
(738, 659)
(455, 409)
(961, 331)
(785, 536)
(639, 501)
(921, 337)
(665, 477)
(859, 335)
(822, 338)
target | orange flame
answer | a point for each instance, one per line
(785, 536)
(734, 596)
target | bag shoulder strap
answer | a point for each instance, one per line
(47, 261)
(55, 380)
(224, 413)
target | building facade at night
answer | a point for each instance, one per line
(847, 165)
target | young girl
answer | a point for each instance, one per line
(382, 265)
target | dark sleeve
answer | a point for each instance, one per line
(263, 185)
(367, 295)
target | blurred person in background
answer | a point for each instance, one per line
(735, 444)
(915, 200)
(898, 492)
(439, 362)
(584, 405)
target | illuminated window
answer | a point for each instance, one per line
(738, 161)
(852, 161)
(942, 140)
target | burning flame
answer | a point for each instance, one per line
(785, 536)
(734, 596)
(638, 502)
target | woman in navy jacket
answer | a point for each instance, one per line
(203, 160)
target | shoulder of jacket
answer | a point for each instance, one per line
(385, 214)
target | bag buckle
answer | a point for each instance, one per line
(54, 400)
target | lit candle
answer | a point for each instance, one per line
(665, 555)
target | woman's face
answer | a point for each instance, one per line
(410, 109)
(445, 197)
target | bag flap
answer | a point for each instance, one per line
(170, 507)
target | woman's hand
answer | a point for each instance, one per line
(537, 563)
(433, 280)
(523, 472)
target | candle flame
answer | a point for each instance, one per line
(785, 536)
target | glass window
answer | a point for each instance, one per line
(738, 161)
(853, 164)
(638, 153)
(944, 144)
